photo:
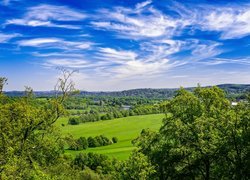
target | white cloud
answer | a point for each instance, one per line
(48, 16)
(146, 23)
(36, 23)
(57, 54)
(129, 64)
(38, 42)
(6, 37)
(84, 45)
(142, 69)
(232, 22)
(72, 63)
(205, 50)
(117, 56)
(143, 4)
(159, 49)
(50, 12)
(55, 43)
(217, 61)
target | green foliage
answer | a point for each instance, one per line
(28, 138)
(29, 141)
(83, 143)
(136, 167)
(93, 142)
(74, 120)
(99, 141)
(202, 137)
(114, 139)
(97, 162)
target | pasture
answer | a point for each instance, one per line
(125, 129)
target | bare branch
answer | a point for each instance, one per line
(65, 86)
(3, 81)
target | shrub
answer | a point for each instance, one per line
(93, 142)
(83, 143)
(114, 139)
(74, 120)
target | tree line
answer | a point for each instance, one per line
(95, 116)
(83, 143)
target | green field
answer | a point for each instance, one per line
(125, 129)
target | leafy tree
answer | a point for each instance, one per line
(202, 137)
(106, 141)
(71, 142)
(82, 143)
(29, 142)
(93, 142)
(136, 167)
(105, 167)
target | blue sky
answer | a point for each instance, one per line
(125, 44)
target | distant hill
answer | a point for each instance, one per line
(232, 90)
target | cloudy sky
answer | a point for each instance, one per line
(124, 44)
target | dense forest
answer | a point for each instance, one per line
(203, 136)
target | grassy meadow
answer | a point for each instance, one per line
(125, 129)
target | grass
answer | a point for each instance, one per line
(125, 129)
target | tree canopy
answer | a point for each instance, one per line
(202, 137)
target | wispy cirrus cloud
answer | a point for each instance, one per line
(38, 42)
(235, 61)
(155, 32)
(142, 4)
(117, 56)
(55, 43)
(72, 63)
(205, 50)
(141, 69)
(231, 22)
(129, 64)
(158, 49)
(57, 54)
(6, 37)
(49, 16)
(146, 22)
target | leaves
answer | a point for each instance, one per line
(202, 137)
